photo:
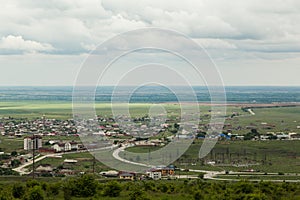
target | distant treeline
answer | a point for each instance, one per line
(88, 187)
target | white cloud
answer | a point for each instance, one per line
(232, 31)
(17, 43)
(210, 43)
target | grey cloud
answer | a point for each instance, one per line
(73, 27)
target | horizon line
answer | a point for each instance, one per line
(149, 86)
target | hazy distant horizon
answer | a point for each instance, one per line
(154, 94)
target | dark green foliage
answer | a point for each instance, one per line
(137, 193)
(7, 171)
(53, 189)
(85, 186)
(14, 153)
(4, 157)
(18, 190)
(112, 189)
(35, 193)
(32, 183)
(6, 193)
(15, 163)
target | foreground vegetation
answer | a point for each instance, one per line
(88, 187)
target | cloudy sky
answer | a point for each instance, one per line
(252, 42)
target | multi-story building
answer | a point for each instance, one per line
(33, 142)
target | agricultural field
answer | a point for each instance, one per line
(275, 119)
(63, 110)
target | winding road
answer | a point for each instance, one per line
(207, 174)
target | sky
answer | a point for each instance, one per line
(252, 42)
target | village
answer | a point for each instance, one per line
(53, 138)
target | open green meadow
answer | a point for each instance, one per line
(85, 163)
(63, 110)
(263, 156)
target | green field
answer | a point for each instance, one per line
(85, 162)
(272, 156)
(284, 119)
(63, 110)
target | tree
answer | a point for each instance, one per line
(137, 194)
(112, 189)
(35, 193)
(31, 183)
(85, 186)
(15, 163)
(14, 153)
(18, 190)
(53, 189)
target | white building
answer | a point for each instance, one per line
(34, 142)
(64, 147)
(155, 175)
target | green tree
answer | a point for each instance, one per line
(35, 193)
(14, 153)
(85, 186)
(18, 190)
(53, 189)
(31, 183)
(112, 189)
(15, 163)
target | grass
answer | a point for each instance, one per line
(259, 177)
(84, 164)
(8, 145)
(13, 179)
(285, 119)
(63, 110)
(142, 149)
(280, 156)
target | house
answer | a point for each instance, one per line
(126, 176)
(74, 146)
(46, 168)
(62, 147)
(294, 136)
(155, 175)
(161, 171)
(283, 136)
(33, 142)
(70, 161)
(110, 173)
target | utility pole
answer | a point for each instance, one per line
(33, 154)
(94, 162)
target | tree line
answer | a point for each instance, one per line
(88, 187)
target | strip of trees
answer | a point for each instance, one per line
(87, 187)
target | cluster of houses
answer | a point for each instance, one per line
(41, 127)
(159, 172)
(266, 136)
(35, 142)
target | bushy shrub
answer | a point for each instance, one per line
(112, 189)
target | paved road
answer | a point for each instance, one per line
(116, 156)
(207, 175)
(22, 168)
